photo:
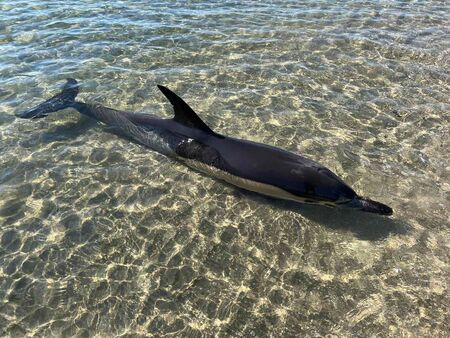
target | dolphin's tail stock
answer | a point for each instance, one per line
(369, 205)
(137, 126)
(65, 99)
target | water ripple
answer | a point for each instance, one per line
(101, 236)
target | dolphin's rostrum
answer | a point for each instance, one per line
(253, 166)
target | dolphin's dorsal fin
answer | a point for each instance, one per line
(183, 113)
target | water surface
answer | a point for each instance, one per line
(100, 236)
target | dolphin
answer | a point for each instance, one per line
(249, 165)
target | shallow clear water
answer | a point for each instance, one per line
(102, 236)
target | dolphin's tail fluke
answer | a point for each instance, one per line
(368, 205)
(63, 100)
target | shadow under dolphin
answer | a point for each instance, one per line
(365, 226)
(244, 164)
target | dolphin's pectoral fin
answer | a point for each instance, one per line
(201, 153)
(183, 113)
